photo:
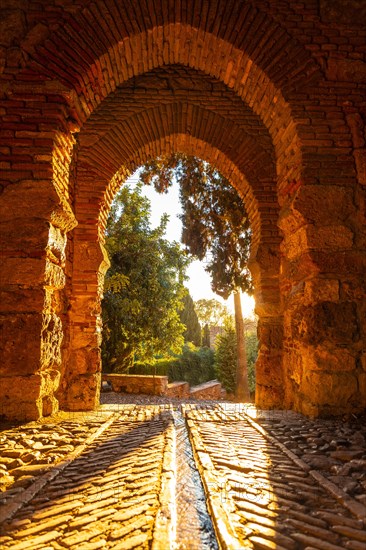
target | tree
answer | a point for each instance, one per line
(206, 336)
(188, 317)
(215, 228)
(210, 312)
(143, 287)
(226, 356)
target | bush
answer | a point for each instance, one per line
(251, 341)
(194, 366)
(226, 358)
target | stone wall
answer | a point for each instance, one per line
(158, 385)
(208, 390)
(128, 383)
(177, 389)
(271, 93)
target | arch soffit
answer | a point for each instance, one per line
(174, 44)
(166, 85)
(171, 45)
(106, 155)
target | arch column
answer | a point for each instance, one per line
(323, 287)
(80, 386)
(264, 267)
(34, 225)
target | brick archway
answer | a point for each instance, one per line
(81, 381)
(294, 105)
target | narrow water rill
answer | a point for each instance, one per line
(194, 526)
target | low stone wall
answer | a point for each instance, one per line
(208, 390)
(158, 385)
(129, 383)
(178, 389)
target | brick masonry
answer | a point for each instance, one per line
(272, 93)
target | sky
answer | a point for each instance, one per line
(199, 281)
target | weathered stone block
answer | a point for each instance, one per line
(362, 387)
(89, 255)
(313, 237)
(328, 360)
(342, 264)
(54, 276)
(56, 244)
(343, 12)
(270, 335)
(50, 405)
(83, 336)
(52, 336)
(29, 198)
(321, 290)
(363, 361)
(269, 369)
(12, 26)
(20, 397)
(269, 397)
(350, 70)
(356, 125)
(84, 360)
(323, 388)
(26, 234)
(15, 300)
(293, 368)
(23, 271)
(21, 344)
(322, 205)
(267, 259)
(326, 321)
(360, 159)
(80, 393)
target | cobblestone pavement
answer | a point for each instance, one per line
(125, 477)
(31, 449)
(118, 493)
(336, 449)
(263, 496)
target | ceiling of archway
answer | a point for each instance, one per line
(174, 100)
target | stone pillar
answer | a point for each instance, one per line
(323, 283)
(264, 266)
(80, 385)
(34, 223)
(270, 387)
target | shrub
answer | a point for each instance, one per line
(194, 366)
(226, 358)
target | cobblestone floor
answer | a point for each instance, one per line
(126, 477)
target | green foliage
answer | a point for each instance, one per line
(210, 312)
(251, 341)
(143, 287)
(215, 228)
(206, 336)
(188, 317)
(226, 357)
(194, 366)
(215, 224)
